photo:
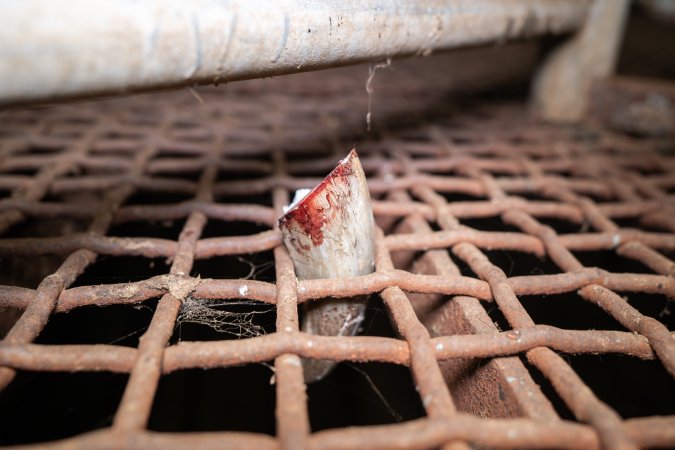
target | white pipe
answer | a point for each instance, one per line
(56, 49)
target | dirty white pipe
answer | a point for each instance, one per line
(56, 49)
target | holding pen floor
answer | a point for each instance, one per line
(539, 259)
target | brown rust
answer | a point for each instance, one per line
(551, 201)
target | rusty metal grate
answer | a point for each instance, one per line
(452, 189)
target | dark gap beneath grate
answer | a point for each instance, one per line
(166, 229)
(44, 406)
(308, 155)
(192, 175)
(503, 175)
(598, 198)
(423, 155)
(534, 196)
(460, 197)
(562, 226)
(191, 137)
(647, 171)
(376, 321)
(496, 315)
(358, 394)
(257, 199)
(568, 311)
(547, 389)
(464, 268)
(119, 152)
(656, 306)
(29, 271)
(15, 273)
(516, 264)
(121, 269)
(321, 172)
(254, 266)
(256, 152)
(25, 171)
(610, 261)
(365, 393)
(489, 224)
(44, 227)
(565, 173)
(446, 172)
(113, 324)
(40, 149)
(215, 399)
(121, 135)
(173, 154)
(240, 174)
(636, 223)
(635, 388)
(158, 198)
(90, 171)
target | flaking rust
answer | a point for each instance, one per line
(329, 234)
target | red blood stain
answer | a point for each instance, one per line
(308, 213)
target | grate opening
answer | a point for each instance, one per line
(361, 395)
(218, 228)
(121, 269)
(44, 227)
(112, 325)
(515, 264)
(41, 149)
(212, 400)
(158, 198)
(62, 404)
(224, 196)
(618, 381)
(637, 223)
(376, 322)
(558, 404)
(166, 229)
(568, 311)
(498, 320)
(489, 224)
(658, 307)
(241, 174)
(251, 266)
(461, 197)
(562, 226)
(609, 261)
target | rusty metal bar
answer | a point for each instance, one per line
(291, 411)
(37, 312)
(136, 404)
(449, 195)
(581, 400)
(265, 348)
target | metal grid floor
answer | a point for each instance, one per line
(429, 177)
